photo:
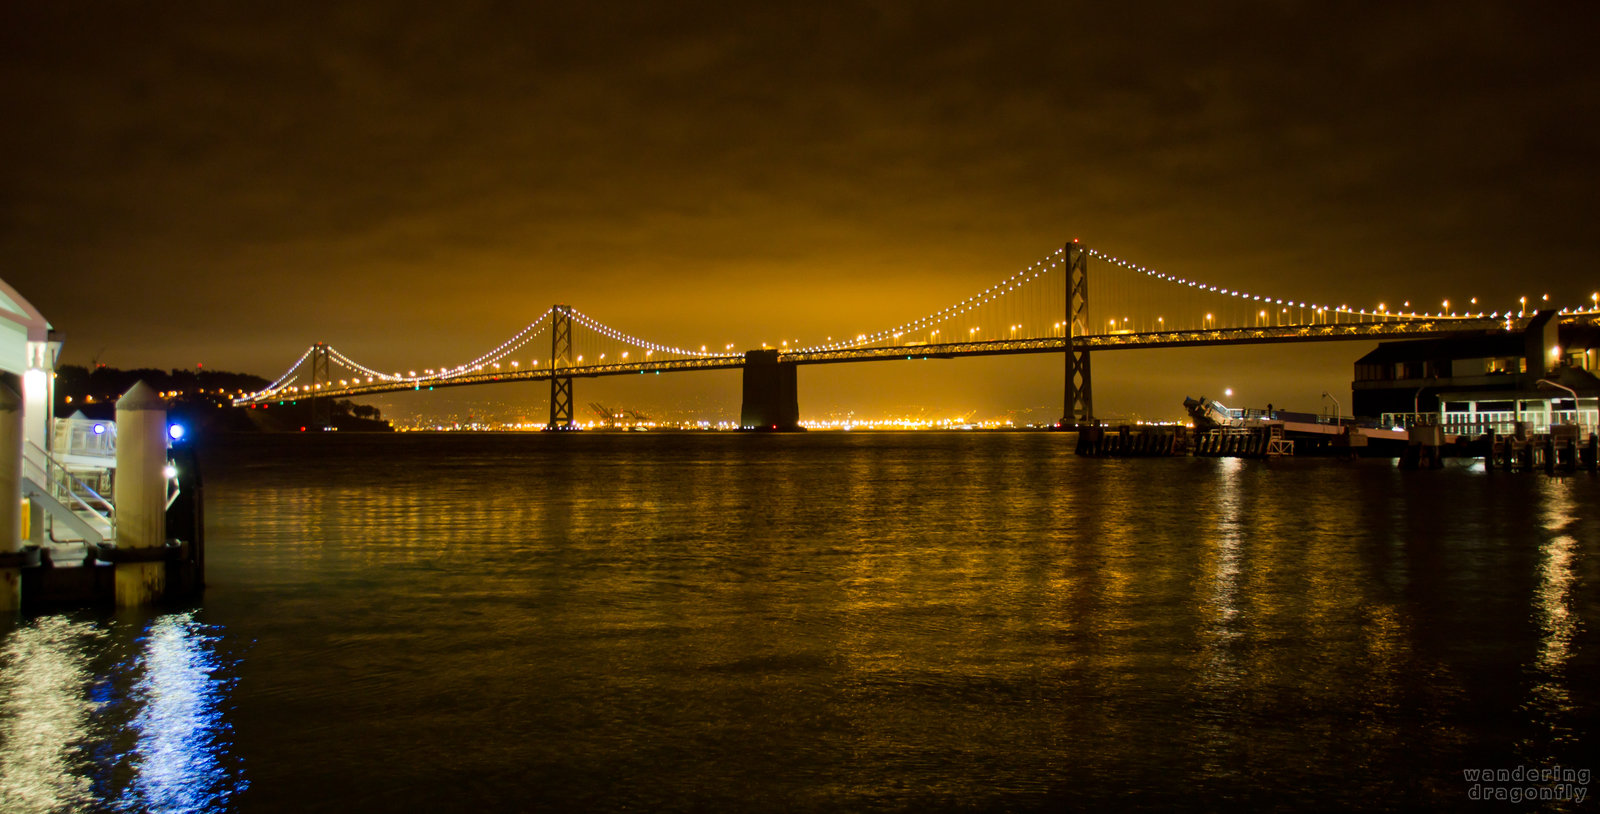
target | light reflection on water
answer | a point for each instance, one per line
(871, 622)
(180, 762)
(1558, 625)
(44, 716)
(118, 713)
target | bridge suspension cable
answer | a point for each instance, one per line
(1019, 306)
(652, 347)
(1120, 303)
(1128, 297)
(287, 377)
(1124, 297)
(591, 346)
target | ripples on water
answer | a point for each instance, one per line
(823, 622)
(118, 713)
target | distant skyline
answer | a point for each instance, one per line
(223, 184)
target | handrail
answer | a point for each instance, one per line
(67, 485)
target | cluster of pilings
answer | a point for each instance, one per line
(1155, 440)
(1141, 441)
(1560, 449)
(1552, 452)
(1234, 442)
(1127, 441)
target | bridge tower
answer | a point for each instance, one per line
(560, 357)
(1079, 407)
(321, 408)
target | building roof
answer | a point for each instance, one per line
(1487, 345)
(20, 323)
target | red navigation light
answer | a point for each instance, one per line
(302, 429)
(774, 426)
(1074, 240)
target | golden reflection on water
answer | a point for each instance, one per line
(1551, 608)
(1221, 605)
(901, 621)
(44, 716)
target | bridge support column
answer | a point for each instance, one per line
(771, 397)
(1078, 410)
(560, 357)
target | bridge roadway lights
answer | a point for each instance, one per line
(771, 402)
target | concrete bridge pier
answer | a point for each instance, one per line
(771, 400)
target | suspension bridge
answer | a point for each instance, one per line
(1044, 307)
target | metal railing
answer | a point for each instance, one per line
(85, 436)
(66, 488)
(1497, 422)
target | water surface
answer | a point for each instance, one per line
(822, 622)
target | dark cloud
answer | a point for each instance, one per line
(232, 181)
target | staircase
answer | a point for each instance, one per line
(78, 512)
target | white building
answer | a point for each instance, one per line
(28, 348)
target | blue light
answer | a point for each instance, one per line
(99, 429)
(176, 432)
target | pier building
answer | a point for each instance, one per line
(1488, 383)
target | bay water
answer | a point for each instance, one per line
(826, 622)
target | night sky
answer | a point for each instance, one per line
(227, 182)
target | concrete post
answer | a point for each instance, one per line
(140, 493)
(10, 493)
(38, 393)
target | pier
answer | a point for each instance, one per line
(1557, 448)
(96, 511)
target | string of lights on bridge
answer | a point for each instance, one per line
(283, 381)
(990, 294)
(286, 384)
(1381, 311)
(521, 338)
(1055, 262)
(1048, 305)
(647, 346)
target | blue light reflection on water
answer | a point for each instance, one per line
(180, 760)
(119, 714)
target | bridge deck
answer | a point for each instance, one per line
(1388, 329)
